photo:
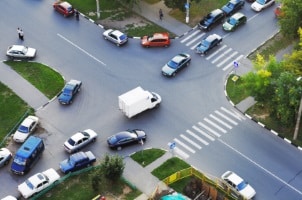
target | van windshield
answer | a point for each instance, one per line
(19, 160)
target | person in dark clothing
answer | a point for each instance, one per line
(77, 14)
(161, 15)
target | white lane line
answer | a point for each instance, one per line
(228, 58)
(232, 113)
(225, 117)
(180, 153)
(258, 165)
(189, 36)
(221, 55)
(209, 129)
(197, 38)
(190, 141)
(203, 133)
(232, 63)
(73, 44)
(215, 125)
(184, 145)
(221, 122)
(197, 137)
(216, 52)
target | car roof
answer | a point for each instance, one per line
(160, 35)
(234, 178)
(78, 156)
(27, 121)
(73, 82)
(237, 15)
(212, 37)
(77, 136)
(178, 58)
(36, 179)
(65, 4)
(234, 1)
(216, 12)
(117, 33)
(17, 47)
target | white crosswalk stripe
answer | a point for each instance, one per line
(216, 52)
(215, 125)
(197, 137)
(209, 129)
(184, 145)
(180, 153)
(232, 63)
(203, 133)
(236, 115)
(190, 36)
(221, 122)
(190, 141)
(221, 55)
(227, 59)
(225, 117)
(197, 38)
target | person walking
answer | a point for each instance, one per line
(21, 34)
(161, 15)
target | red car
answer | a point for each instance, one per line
(64, 8)
(157, 40)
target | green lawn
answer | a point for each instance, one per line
(145, 157)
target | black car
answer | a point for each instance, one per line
(208, 43)
(124, 138)
(232, 6)
(212, 19)
(177, 63)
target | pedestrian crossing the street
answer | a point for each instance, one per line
(203, 132)
(223, 56)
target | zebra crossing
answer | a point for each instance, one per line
(223, 56)
(207, 130)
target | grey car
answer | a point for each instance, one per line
(115, 36)
(5, 156)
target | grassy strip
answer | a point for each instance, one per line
(145, 157)
(40, 76)
(235, 91)
(145, 30)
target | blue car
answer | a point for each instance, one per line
(77, 161)
(208, 43)
(69, 91)
(232, 6)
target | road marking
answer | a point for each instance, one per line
(209, 129)
(197, 137)
(215, 125)
(190, 141)
(216, 52)
(187, 38)
(236, 115)
(225, 117)
(221, 55)
(184, 145)
(220, 121)
(228, 58)
(180, 153)
(258, 165)
(232, 63)
(73, 44)
(197, 38)
(203, 133)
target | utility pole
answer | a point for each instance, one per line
(187, 6)
(97, 9)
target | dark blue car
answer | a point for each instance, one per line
(69, 91)
(232, 6)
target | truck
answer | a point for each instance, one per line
(138, 100)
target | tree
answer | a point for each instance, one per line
(113, 167)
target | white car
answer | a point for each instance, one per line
(79, 140)
(26, 128)
(19, 51)
(259, 5)
(38, 182)
(115, 36)
(9, 197)
(236, 182)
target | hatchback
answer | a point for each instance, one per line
(64, 8)
(157, 40)
(234, 22)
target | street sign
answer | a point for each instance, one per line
(187, 5)
(236, 65)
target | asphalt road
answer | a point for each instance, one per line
(209, 133)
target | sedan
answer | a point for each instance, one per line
(38, 182)
(208, 43)
(259, 5)
(69, 91)
(177, 63)
(19, 51)
(5, 156)
(79, 140)
(115, 36)
(124, 138)
(234, 22)
(236, 182)
(232, 6)
(26, 128)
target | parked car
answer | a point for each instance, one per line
(77, 161)
(157, 40)
(259, 5)
(208, 43)
(27, 127)
(130, 136)
(5, 156)
(38, 182)
(236, 182)
(232, 6)
(278, 11)
(69, 91)
(115, 36)
(64, 8)
(9, 197)
(176, 64)
(80, 140)
(20, 51)
(212, 19)
(234, 22)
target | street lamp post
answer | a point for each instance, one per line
(298, 117)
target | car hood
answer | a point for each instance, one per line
(20, 137)
(31, 52)
(168, 70)
(256, 6)
(140, 134)
(65, 165)
(25, 190)
(201, 48)
(227, 26)
(145, 40)
(64, 98)
(52, 175)
(248, 192)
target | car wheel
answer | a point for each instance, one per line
(6, 162)
(105, 37)
(117, 44)
(166, 46)
(157, 105)
(93, 140)
(174, 74)
(147, 46)
(70, 102)
(119, 148)
(65, 15)
(188, 63)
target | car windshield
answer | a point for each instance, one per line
(69, 9)
(23, 129)
(24, 50)
(123, 37)
(205, 43)
(67, 91)
(172, 64)
(113, 139)
(71, 142)
(19, 160)
(232, 21)
(29, 184)
(71, 161)
(262, 2)
(241, 185)
(230, 5)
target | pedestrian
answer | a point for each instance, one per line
(21, 34)
(161, 15)
(77, 14)
(18, 31)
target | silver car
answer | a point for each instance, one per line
(19, 51)
(5, 156)
(115, 36)
(79, 140)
